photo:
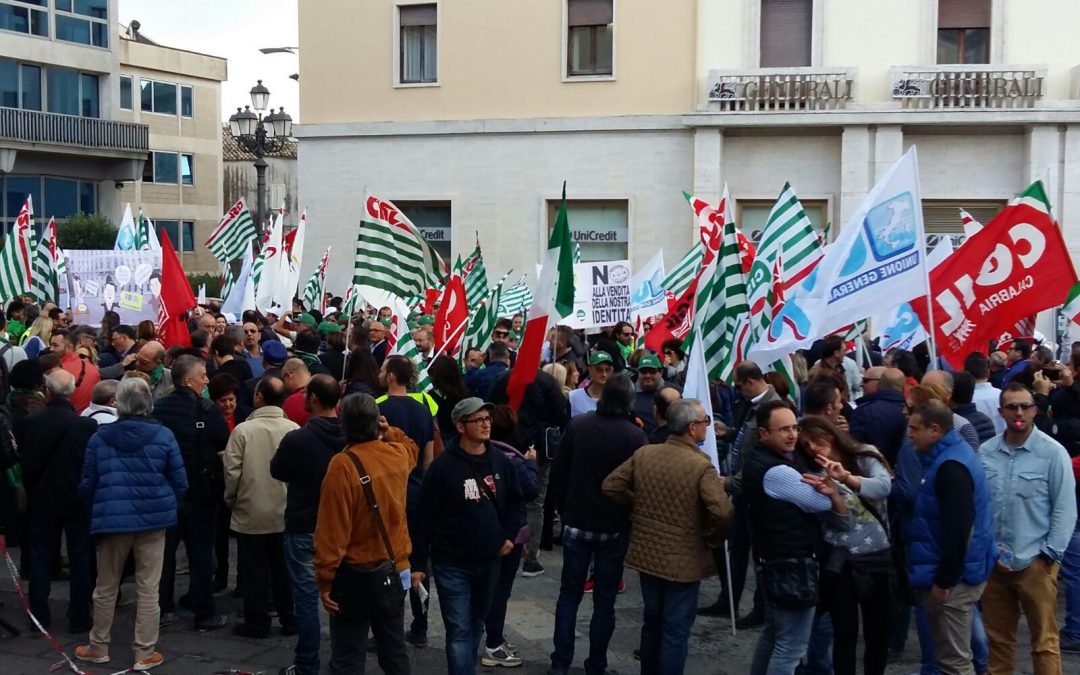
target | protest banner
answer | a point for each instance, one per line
(127, 282)
(601, 294)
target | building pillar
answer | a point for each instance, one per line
(708, 163)
(855, 174)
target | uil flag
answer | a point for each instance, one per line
(236, 230)
(452, 316)
(126, 235)
(1014, 267)
(391, 254)
(880, 253)
(554, 300)
(901, 327)
(15, 257)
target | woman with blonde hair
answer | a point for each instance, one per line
(557, 371)
(37, 338)
(87, 353)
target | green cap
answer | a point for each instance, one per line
(648, 361)
(305, 318)
(327, 327)
(426, 320)
(599, 357)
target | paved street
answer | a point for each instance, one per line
(530, 620)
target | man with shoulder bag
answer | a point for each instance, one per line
(362, 544)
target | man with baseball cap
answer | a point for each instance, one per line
(470, 511)
(650, 380)
(600, 369)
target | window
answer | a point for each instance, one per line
(433, 221)
(589, 37)
(157, 97)
(752, 214)
(963, 31)
(419, 55)
(22, 19)
(181, 233)
(84, 21)
(186, 101)
(600, 227)
(60, 197)
(62, 91)
(20, 85)
(786, 32)
(88, 96)
(187, 169)
(125, 92)
(162, 169)
(941, 217)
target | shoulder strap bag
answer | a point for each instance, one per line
(369, 592)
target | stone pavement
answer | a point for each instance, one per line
(530, 620)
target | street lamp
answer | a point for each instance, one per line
(260, 136)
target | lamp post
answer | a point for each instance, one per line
(260, 136)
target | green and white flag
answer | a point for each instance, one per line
(723, 309)
(147, 237)
(481, 324)
(405, 346)
(474, 274)
(233, 233)
(515, 300)
(45, 277)
(313, 290)
(15, 257)
(682, 275)
(227, 280)
(577, 253)
(391, 254)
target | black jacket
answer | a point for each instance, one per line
(543, 406)
(301, 461)
(984, 426)
(879, 420)
(592, 447)
(52, 458)
(779, 529)
(458, 522)
(201, 433)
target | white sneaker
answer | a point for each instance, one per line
(500, 656)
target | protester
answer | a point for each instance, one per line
(52, 462)
(584, 400)
(662, 400)
(257, 502)
(123, 352)
(224, 391)
(295, 375)
(362, 374)
(201, 433)
(950, 542)
(376, 336)
(650, 381)
(301, 462)
(834, 358)
(1018, 356)
(987, 397)
(448, 388)
(482, 381)
(934, 390)
(963, 392)
(679, 513)
(134, 479)
(470, 512)
(347, 534)
(1032, 536)
(225, 359)
(85, 374)
(333, 359)
(102, 408)
(878, 419)
(594, 529)
(151, 360)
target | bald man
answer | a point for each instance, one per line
(878, 418)
(151, 361)
(870, 380)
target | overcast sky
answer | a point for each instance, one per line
(232, 29)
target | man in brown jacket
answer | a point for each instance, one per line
(346, 532)
(679, 511)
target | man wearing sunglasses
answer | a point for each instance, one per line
(1034, 513)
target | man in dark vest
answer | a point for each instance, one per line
(783, 505)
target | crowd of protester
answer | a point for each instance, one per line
(871, 491)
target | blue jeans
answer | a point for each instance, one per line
(1070, 576)
(607, 559)
(819, 659)
(299, 556)
(980, 646)
(783, 640)
(670, 609)
(464, 598)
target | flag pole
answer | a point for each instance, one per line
(730, 595)
(931, 336)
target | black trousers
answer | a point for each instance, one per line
(842, 599)
(262, 567)
(348, 644)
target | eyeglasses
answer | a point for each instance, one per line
(84, 357)
(870, 379)
(501, 333)
(1014, 407)
(704, 420)
(482, 421)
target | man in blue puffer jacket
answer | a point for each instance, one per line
(951, 549)
(134, 478)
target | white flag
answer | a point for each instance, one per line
(242, 295)
(697, 386)
(647, 294)
(901, 328)
(125, 236)
(270, 277)
(880, 253)
(201, 300)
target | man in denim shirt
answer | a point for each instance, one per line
(1034, 511)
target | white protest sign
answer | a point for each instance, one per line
(601, 294)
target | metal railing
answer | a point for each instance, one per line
(779, 89)
(31, 126)
(959, 86)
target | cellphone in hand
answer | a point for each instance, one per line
(1052, 373)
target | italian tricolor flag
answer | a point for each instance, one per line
(554, 300)
(1071, 308)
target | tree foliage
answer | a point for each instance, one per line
(86, 231)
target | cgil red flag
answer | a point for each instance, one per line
(677, 322)
(451, 318)
(176, 298)
(1014, 267)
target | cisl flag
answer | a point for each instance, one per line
(1014, 267)
(452, 316)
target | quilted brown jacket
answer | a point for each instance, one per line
(679, 510)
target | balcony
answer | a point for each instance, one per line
(990, 87)
(780, 89)
(30, 129)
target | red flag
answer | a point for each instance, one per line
(1014, 267)
(677, 322)
(747, 251)
(176, 298)
(451, 318)
(431, 296)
